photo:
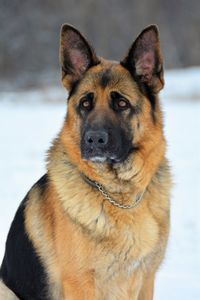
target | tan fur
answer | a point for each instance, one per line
(89, 248)
(6, 293)
(95, 250)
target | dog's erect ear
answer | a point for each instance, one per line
(144, 60)
(76, 55)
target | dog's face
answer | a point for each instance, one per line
(104, 108)
(112, 109)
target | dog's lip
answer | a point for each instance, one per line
(95, 158)
(101, 158)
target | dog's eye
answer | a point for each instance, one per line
(86, 102)
(119, 102)
(122, 104)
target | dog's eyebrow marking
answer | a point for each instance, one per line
(73, 89)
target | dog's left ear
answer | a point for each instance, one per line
(76, 55)
(144, 60)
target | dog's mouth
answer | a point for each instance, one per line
(110, 158)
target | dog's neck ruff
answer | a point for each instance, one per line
(112, 201)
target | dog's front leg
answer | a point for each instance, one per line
(135, 285)
(147, 289)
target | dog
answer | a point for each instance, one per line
(96, 225)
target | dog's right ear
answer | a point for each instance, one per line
(76, 55)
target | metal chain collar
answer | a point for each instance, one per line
(111, 200)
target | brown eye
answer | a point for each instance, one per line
(119, 103)
(122, 104)
(86, 102)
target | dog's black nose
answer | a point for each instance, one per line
(96, 138)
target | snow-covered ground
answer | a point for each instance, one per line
(27, 128)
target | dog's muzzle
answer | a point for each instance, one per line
(103, 144)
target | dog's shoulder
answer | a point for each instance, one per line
(21, 270)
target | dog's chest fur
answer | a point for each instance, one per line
(118, 239)
(110, 247)
(86, 237)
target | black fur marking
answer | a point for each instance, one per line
(42, 183)
(73, 89)
(21, 269)
(105, 78)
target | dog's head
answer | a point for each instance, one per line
(112, 106)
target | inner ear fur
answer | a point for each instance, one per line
(144, 59)
(76, 55)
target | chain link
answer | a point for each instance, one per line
(114, 202)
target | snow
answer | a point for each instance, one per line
(182, 84)
(179, 276)
(28, 126)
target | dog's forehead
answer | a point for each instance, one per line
(109, 74)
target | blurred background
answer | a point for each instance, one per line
(33, 105)
(29, 33)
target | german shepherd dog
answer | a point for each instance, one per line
(96, 225)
